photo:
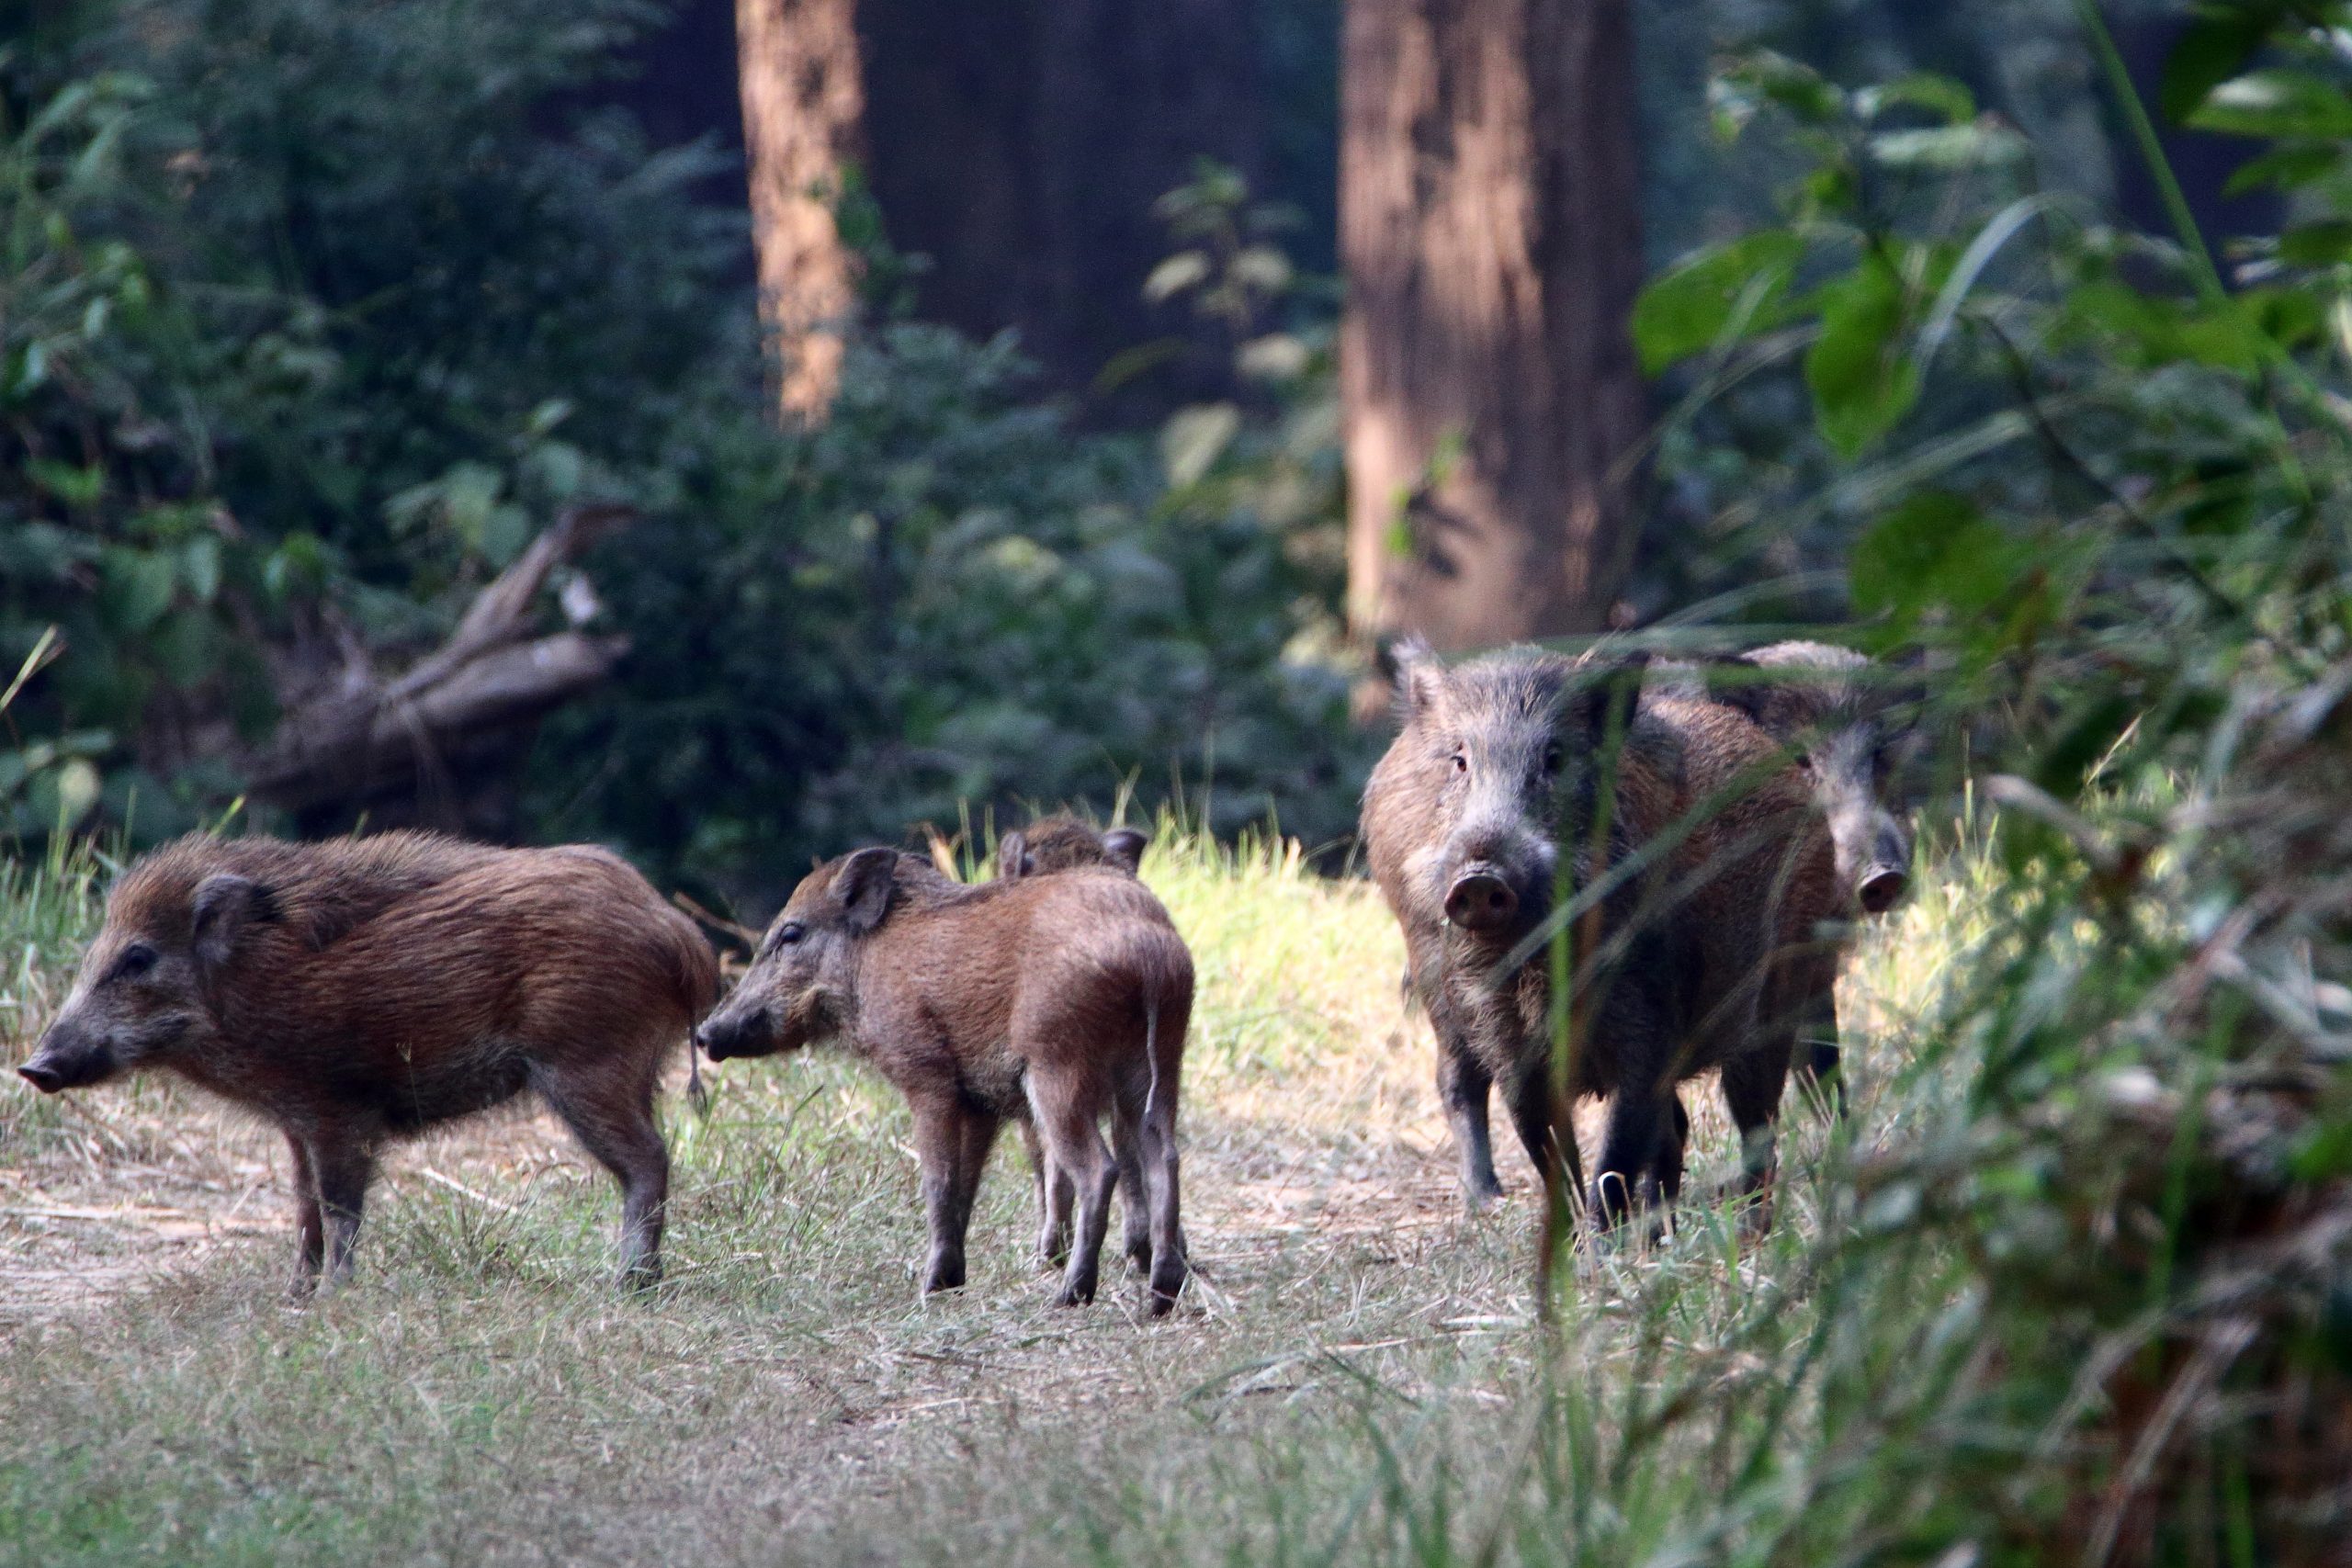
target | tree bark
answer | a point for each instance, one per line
(1490, 233)
(803, 98)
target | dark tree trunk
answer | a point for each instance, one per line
(1490, 232)
(1021, 143)
(803, 99)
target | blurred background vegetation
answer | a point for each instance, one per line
(316, 315)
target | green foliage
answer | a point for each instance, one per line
(314, 318)
(2102, 493)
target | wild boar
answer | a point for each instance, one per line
(1493, 788)
(1057, 998)
(1047, 845)
(1827, 705)
(359, 992)
(1062, 843)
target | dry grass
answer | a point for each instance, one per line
(481, 1395)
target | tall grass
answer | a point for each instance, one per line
(1358, 1377)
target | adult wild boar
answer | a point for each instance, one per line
(1842, 721)
(1059, 998)
(1493, 788)
(361, 990)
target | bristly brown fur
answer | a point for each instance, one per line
(361, 990)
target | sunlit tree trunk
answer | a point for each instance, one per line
(803, 98)
(1490, 230)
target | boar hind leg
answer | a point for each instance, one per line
(1065, 1120)
(613, 1118)
(1052, 1200)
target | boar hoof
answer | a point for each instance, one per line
(639, 1278)
(1072, 1296)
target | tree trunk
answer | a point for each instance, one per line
(1490, 232)
(1021, 144)
(803, 97)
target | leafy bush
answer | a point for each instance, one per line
(315, 318)
(2105, 490)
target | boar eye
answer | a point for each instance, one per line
(1551, 761)
(136, 960)
(1461, 762)
(790, 933)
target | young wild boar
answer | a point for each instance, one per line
(1494, 781)
(1057, 998)
(1063, 843)
(1047, 845)
(358, 991)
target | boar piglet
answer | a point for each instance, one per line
(1047, 846)
(1492, 791)
(1055, 999)
(1065, 843)
(359, 992)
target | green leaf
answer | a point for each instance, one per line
(2323, 243)
(135, 587)
(200, 567)
(1687, 310)
(1185, 269)
(2275, 103)
(2286, 168)
(1194, 438)
(1799, 89)
(75, 486)
(1861, 381)
(1935, 549)
(1947, 148)
(2214, 47)
(1941, 95)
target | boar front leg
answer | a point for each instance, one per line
(345, 1167)
(1752, 1086)
(1463, 1086)
(310, 1226)
(952, 1145)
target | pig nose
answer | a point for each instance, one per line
(712, 1039)
(47, 1079)
(1883, 887)
(1480, 900)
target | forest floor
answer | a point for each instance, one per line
(480, 1392)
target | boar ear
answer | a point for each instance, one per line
(1011, 857)
(1614, 692)
(1419, 678)
(225, 905)
(864, 884)
(1125, 846)
(1748, 687)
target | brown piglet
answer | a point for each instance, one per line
(359, 992)
(1057, 998)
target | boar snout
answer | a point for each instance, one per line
(1481, 900)
(731, 1033)
(1882, 889)
(66, 1059)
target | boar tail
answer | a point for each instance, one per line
(698, 988)
(696, 1096)
(1151, 1049)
